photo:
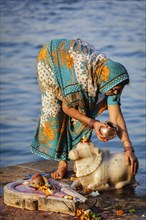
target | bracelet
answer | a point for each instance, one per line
(92, 122)
(125, 141)
(129, 149)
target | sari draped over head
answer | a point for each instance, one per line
(74, 72)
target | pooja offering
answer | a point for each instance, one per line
(41, 183)
(42, 193)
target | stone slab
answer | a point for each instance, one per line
(19, 194)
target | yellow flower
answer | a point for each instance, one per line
(69, 61)
(105, 73)
(42, 54)
(84, 139)
(48, 131)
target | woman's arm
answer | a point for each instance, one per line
(116, 117)
(74, 113)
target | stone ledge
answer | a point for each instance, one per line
(105, 203)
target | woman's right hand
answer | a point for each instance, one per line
(97, 126)
(74, 113)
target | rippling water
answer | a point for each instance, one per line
(115, 27)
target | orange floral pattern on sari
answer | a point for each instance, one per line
(48, 131)
(97, 71)
(69, 61)
(55, 58)
(105, 73)
(62, 52)
(42, 54)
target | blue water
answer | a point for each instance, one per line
(115, 27)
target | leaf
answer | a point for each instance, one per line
(132, 211)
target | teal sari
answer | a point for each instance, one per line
(73, 71)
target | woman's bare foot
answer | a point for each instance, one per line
(61, 171)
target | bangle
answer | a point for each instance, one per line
(129, 149)
(92, 122)
(125, 141)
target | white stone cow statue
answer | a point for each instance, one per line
(99, 170)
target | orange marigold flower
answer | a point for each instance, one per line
(79, 212)
(84, 139)
(69, 61)
(105, 73)
(48, 131)
(119, 212)
(42, 54)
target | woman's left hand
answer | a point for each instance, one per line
(131, 160)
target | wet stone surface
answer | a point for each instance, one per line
(116, 204)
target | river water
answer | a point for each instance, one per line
(117, 28)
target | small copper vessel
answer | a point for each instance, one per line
(110, 131)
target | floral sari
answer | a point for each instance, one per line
(68, 70)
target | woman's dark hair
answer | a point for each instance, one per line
(125, 82)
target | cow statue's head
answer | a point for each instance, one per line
(87, 158)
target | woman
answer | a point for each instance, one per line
(77, 84)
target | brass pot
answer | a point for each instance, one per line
(110, 131)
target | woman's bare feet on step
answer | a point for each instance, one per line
(61, 171)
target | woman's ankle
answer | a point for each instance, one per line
(61, 170)
(63, 163)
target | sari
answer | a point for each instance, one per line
(75, 72)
